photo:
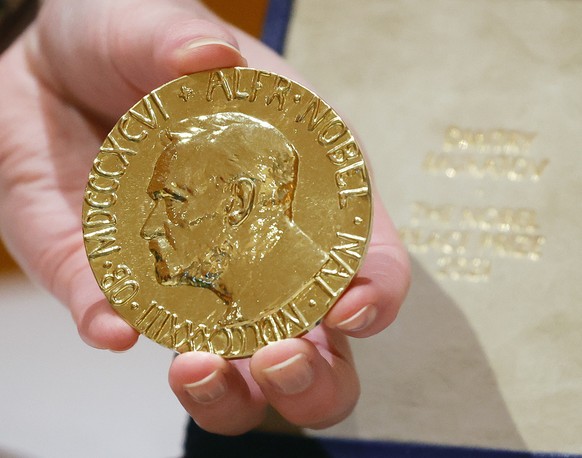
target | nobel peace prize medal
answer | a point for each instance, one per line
(227, 210)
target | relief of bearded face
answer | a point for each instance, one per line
(228, 171)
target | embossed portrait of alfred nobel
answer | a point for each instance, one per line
(223, 189)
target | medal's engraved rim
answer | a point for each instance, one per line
(368, 232)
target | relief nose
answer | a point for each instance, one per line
(153, 226)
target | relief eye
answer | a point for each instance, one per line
(178, 197)
(173, 194)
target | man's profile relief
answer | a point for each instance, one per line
(223, 191)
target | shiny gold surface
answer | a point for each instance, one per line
(227, 210)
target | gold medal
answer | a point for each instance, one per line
(227, 210)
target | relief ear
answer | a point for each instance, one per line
(242, 200)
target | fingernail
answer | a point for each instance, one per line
(199, 43)
(360, 320)
(291, 376)
(209, 389)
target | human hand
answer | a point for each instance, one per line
(64, 83)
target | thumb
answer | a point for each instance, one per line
(106, 55)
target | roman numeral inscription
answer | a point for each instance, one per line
(283, 323)
(134, 125)
(342, 262)
(158, 323)
(99, 224)
(99, 220)
(99, 233)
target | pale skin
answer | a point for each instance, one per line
(63, 85)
